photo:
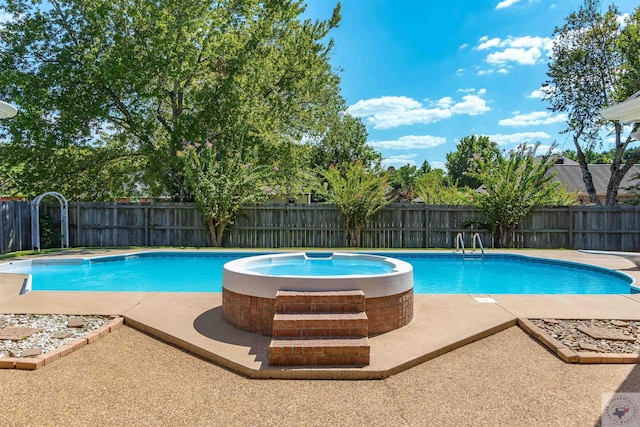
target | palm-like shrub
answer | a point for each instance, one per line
(513, 187)
(221, 184)
(358, 193)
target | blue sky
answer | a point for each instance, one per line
(422, 74)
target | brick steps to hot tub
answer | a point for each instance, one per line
(320, 328)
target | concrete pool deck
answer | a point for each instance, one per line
(441, 323)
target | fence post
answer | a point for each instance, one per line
(78, 227)
(570, 236)
(145, 222)
(427, 233)
(3, 249)
(18, 216)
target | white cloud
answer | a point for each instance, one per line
(518, 138)
(460, 71)
(525, 50)
(623, 19)
(506, 3)
(538, 93)
(533, 119)
(409, 142)
(487, 43)
(393, 111)
(445, 102)
(519, 55)
(472, 105)
(544, 149)
(482, 91)
(399, 160)
(5, 17)
(382, 105)
(463, 46)
(438, 165)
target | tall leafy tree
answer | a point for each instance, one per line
(594, 65)
(470, 151)
(344, 142)
(247, 75)
(403, 180)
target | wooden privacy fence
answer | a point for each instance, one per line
(15, 226)
(320, 226)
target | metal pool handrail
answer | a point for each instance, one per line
(460, 243)
(479, 239)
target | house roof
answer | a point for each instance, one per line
(570, 175)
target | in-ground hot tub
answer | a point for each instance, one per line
(249, 286)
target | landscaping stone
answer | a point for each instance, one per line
(569, 332)
(13, 333)
(588, 347)
(30, 352)
(61, 335)
(53, 331)
(606, 334)
(619, 323)
(75, 323)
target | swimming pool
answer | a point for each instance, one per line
(434, 273)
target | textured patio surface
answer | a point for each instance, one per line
(128, 378)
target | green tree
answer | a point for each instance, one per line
(591, 156)
(358, 193)
(222, 184)
(344, 142)
(470, 151)
(432, 188)
(513, 187)
(100, 173)
(594, 65)
(403, 180)
(248, 75)
(294, 177)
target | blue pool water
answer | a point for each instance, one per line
(433, 273)
(319, 267)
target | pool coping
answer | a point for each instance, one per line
(193, 322)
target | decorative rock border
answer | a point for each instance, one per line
(572, 356)
(38, 361)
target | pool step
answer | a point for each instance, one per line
(320, 329)
(320, 325)
(314, 352)
(320, 302)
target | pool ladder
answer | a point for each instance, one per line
(477, 240)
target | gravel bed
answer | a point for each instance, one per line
(50, 325)
(566, 331)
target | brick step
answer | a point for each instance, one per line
(319, 301)
(320, 325)
(319, 351)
